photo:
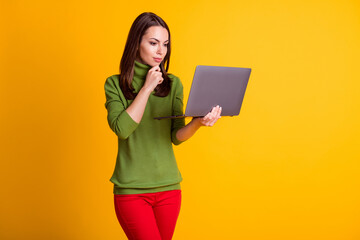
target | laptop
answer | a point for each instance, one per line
(216, 85)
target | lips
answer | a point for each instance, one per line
(158, 59)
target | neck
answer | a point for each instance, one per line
(141, 69)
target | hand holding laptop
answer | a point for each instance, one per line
(211, 118)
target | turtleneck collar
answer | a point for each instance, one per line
(141, 70)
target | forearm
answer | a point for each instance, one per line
(137, 107)
(188, 131)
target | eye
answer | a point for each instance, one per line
(152, 43)
(166, 44)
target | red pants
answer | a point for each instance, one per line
(148, 216)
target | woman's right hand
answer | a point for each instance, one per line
(153, 78)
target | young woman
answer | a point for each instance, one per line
(147, 193)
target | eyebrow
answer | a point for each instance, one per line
(158, 40)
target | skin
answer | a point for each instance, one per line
(153, 45)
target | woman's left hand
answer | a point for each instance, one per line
(210, 118)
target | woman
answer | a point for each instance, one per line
(147, 193)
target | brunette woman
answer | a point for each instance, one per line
(147, 193)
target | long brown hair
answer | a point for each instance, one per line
(137, 30)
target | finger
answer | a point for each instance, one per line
(216, 109)
(215, 112)
(210, 119)
(216, 116)
(213, 122)
(210, 116)
(155, 68)
(218, 112)
(205, 119)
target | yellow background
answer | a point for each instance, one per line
(286, 168)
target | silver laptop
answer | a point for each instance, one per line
(214, 85)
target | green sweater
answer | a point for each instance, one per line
(145, 161)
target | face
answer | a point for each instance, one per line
(153, 46)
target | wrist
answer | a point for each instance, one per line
(197, 122)
(146, 90)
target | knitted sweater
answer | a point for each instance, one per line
(145, 161)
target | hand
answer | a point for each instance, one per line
(210, 118)
(153, 78)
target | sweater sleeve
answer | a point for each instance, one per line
(119, 120)
(177, 123)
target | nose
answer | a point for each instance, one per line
(160, 51)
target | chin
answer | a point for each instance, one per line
(151, 63)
